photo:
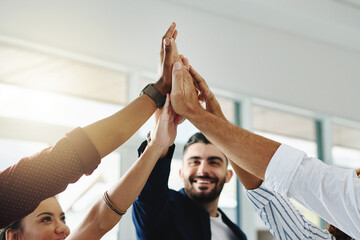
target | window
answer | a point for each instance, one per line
(291, 129)
(346, 147)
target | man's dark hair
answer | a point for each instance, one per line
(199, 138)
(196, 138)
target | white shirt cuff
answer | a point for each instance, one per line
(282, 167)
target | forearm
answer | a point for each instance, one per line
(247, 150)
(101, 218)
(247, 179)
(110, 133)
(156, 186)
(96, 224)
(130, 185)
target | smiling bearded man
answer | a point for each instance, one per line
(204, 170)
(192, 212)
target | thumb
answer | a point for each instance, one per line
(167, 104)
(167, 61)
(177, 79)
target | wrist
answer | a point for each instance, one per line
(195, 114)
(222, 116)
(154, 94)
(162, 86)
(193, 111)
(160, 149)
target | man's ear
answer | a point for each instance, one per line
(12, 234)
(181, 174)
(229, 174)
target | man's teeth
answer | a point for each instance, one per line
(203, 181)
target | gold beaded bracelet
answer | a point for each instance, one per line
(111, 206)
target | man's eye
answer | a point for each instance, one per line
(63, 219)
(193, 162)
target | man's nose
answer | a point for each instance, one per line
(202, 169)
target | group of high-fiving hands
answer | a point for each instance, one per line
(187, 92)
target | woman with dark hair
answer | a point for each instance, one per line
(47, 221)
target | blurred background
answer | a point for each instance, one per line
(288, 70)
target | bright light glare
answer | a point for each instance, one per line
(40, 106)
(346, 157)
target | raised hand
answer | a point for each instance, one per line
(205, 94)
(166, 121)
(184, 99)
(163, 83)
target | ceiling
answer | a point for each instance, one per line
(334, 22)
(302, 53)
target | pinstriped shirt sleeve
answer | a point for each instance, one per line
(329, 191)
(282, 218)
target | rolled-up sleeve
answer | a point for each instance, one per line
(88, 154)
(24, 185)
(282, 167)
(331, 192)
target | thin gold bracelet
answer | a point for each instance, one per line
(111, 206)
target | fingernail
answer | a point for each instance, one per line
(166, 41)
(177, 66)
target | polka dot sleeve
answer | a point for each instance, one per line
(24, 185)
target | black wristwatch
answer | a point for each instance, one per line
(154, 94)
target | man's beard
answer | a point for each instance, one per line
(204, 197)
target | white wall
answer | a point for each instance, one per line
(232, 54)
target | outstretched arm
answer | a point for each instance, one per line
(35, 178)
(250, 151)
(212, 106)
(276, 211)
(110, 133)
(101, 218)
(308, 177)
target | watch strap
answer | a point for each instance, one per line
(154, 94)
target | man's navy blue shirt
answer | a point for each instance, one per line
(162, 213)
